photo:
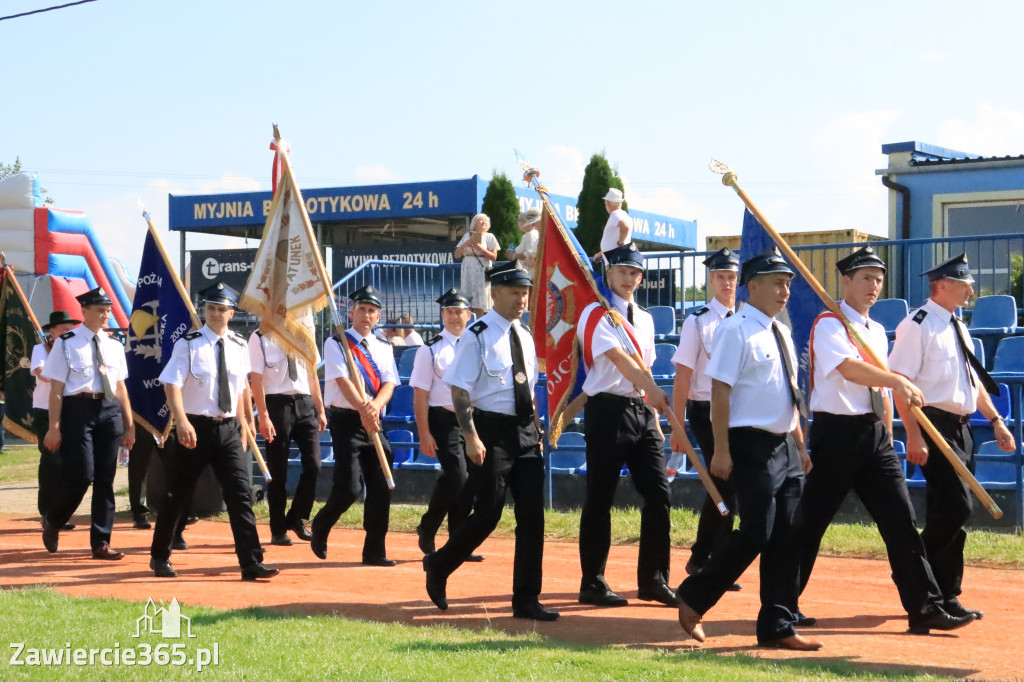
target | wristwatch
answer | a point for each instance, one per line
(995, 419)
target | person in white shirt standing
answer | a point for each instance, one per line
(526, 251)
(618, 231)
(49, 461)
(90, 416)
(691, 393)
(353, 420)
(439, 432)
(290, 409)
(933, 349)
(851, 443)
(621, 427)
(756, 407)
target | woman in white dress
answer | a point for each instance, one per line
(478, 248)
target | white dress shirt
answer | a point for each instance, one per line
(745, 355)
(927, 352)
(336, 367)
(41, 393)
(694, 349)
(270, 362)
(831, 348)
(193, 369)
(604, 376)
(428, 369)
(483, 363)
(71, 361)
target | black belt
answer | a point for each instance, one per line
(203, 419)
(623, 399)
(286, 397)
(512, 419)
(340, 410)
(699, 404)
(90, 396)
(438, 409)
(934, 413)
(869, 417)
(757, 431)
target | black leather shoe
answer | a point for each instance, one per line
(282, 540)
(258, 570)
(692, 567)
(300, 530)
(534, 611)
(425, 542)
(318, 544)
(51, 535)
(954, 608)
(659, 593)
(162, 569)
(735, 587)
(941, 621)
(475, 558)
(68, 526)
(141, 522)
(803, 621)
(189, 520)
(599, 595)
(437, 586)
(106, 553)
(379, 561)
(179, 543)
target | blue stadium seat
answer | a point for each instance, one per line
(994, 315)
(402, 454)
(400, 407)
(1010, 355)
(570, 454)
(540, 393)
(889, 312)
(994, 468)
(979, 351)
(664, 321)
(1001, 403)
(405, 361)
(662, 368)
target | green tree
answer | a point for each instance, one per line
(502, 206)
(591, 215)
(12, 168)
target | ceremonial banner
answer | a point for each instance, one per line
(19, 333)
(161, 315)
(564, 286)
(285, 287)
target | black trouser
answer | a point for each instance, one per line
(712, 527)
(219, 444)
(621, 430)
(451, 496)
(50, 465)
(294, 418)
(855, 453)
(355, 465)
(138, 466)
(513, 462)
(90, 431)
(948, 501)
(767, 505)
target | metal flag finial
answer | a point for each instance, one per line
(722, 168)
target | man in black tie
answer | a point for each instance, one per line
(492, 377)
(932, 350)
(759, 446)
(851, 443)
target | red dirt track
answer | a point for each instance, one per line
(860, 619)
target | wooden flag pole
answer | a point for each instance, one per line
(531, 177)
(250, 439)
(729, 179)
(335, 317)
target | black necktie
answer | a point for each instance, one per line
(971, 360)
(524, 405)
(629, 313)
(728, 313)
(108, 390)
(223, 391)
(293, 370)
(874, 395)
(794, 390)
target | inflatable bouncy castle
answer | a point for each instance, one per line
(56, 253)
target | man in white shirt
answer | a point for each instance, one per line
(439, 432)
(526, 251)
(49, 461)
(851, 443)
(208, 393)
(90, 416)
(492, 377)
(756, 407)
(692, 396)
(933, 350)
(290, 408)
(352, 421)
(621, 427)
(618, 230)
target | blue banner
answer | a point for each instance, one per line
(160, 316)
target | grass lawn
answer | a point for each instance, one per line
(267, 645)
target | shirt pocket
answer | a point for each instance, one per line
(80, 362)
(203, 365)
(942, 354)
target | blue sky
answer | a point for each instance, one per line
(119, 99)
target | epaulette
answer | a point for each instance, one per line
(67, 335)
(193, 335)
(920, 315)
(431, 342)
(478, 327)
(698, 313)
(234, 336)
